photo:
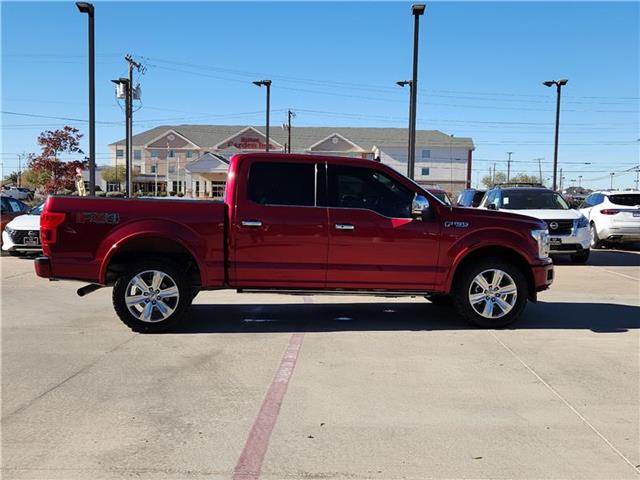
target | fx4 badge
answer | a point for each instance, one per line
(98, 217)
(449, 224)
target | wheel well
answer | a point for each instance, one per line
(134, 250)
(504, 253)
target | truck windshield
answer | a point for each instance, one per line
(533, 200)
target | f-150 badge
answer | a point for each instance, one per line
(450, 224)
(98, 217)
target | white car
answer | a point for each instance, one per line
(614, 217)
(568, 228)
(18, 193)
(22, 234)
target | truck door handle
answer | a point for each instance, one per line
(344, 226)
(251, 223)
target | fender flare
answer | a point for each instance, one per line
(151, 228)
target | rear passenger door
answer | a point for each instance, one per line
(279, 233)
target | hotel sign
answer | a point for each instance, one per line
(247, 143)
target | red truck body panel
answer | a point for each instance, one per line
(243, 244)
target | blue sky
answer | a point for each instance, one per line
(334, 63)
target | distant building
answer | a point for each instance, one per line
(192, 159)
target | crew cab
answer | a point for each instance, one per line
(296, 224)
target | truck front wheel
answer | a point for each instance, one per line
(152, 296)
(491, 293)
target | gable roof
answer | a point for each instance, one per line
(208, 136)
(208, 163)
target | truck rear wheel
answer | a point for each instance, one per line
(152, 296)
(491, 293)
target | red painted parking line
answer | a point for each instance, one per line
(249, 464)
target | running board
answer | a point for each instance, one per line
(377, 293)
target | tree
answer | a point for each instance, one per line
(114, 174)
(12, 178)
(48, 172)
(501, 177)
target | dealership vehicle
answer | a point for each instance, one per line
(11, 208)
(470, 198)
(614, 217)
(296, 224)
(568, 229)
(22, 234)
(19, 193)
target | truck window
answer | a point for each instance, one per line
(282, 183)
(367, 188)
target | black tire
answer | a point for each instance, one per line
(440, 299)
(595, 240)
(13, 253)
(581, 257)
(463, 284)
(175, 274)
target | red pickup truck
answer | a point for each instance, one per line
(296, 224)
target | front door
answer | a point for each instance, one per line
(374, 243)
(279, 236)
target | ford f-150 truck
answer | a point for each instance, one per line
(296, 224)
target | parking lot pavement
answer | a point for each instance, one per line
(277, 387)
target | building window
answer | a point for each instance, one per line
(426, 153)
(154, 168)
(155, 153)
(119, 153)
(217, 189)
(425, 172)
(137, 154)
(113, 187)
(172, 169)
(189, 153)
(172, 154)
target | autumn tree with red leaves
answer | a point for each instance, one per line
(57, 175)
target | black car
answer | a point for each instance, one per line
(469, 198)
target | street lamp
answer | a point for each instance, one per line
(612, 175)
(559, 84)
(417, 10)
(87, 8)
(266, 83)
(404, 83)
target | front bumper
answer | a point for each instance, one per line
(577, 242)
(543, 276)
(8, 245)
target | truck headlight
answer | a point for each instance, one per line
(582, 222)
(542, 238)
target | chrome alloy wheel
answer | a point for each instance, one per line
(152, 296)
(493, 293)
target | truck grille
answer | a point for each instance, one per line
(559, 227)
(18, 236)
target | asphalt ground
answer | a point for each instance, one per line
(325, 387)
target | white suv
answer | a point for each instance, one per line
(614, 217)
(568, 229)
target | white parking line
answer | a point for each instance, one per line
(571, 407)
(619, 274)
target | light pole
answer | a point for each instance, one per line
(559, 84)
(509, 166)
(409, 83)
(266, 83)
(612, 174)
(579, 181)
(87, 8)
(417, 10)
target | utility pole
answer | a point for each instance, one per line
(509, 166)
(20, 169)
(129, 120)
(290, 115)
(561, 177)
(493, 180)
(612, 174)
(579, 181)
(540, 169)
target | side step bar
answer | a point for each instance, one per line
(378, 293)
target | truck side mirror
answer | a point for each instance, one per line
(492, 206)
(419, 206)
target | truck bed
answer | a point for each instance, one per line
(97, 231)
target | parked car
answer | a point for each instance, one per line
(294, 224)
(440, 194)
(11, 208)
(22, 234)
(614, 217)
(470, 198)
(19, 193)
(568, 228)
